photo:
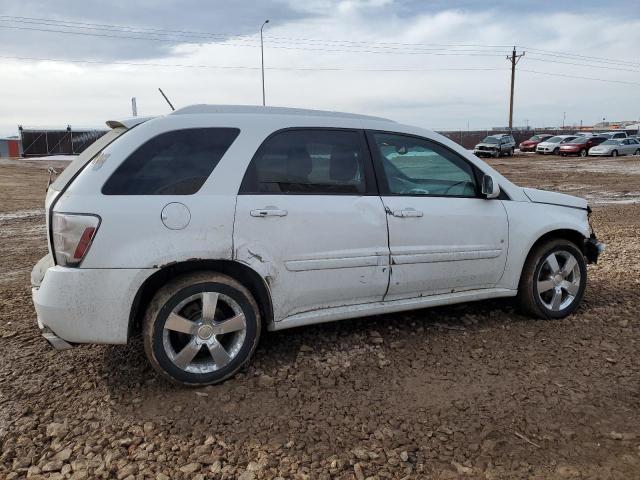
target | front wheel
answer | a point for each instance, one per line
(553, 280)
(637, 152)
(556, 150)
(583, 153)
(201, 328)
(614, 153)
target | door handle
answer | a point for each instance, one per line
(407, 212)
(268, 212)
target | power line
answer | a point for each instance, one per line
(605, 67)
(164, 31)
(437, 53)
(564, 54)
(123, 29)
(580, 77)
(243, 67)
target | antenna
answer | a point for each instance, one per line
(165, 97)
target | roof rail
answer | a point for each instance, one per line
(251, 109)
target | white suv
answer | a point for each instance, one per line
(205, 226)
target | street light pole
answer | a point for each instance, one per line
(262, 60)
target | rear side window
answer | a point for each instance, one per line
(311, 161)
(173, 163)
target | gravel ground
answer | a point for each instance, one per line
(470, 391)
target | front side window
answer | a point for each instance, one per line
(308, 161)
(416, 166)
(173, 163)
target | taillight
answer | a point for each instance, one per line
(72, 237)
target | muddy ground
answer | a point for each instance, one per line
(470, 391)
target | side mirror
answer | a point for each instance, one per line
(490, 187)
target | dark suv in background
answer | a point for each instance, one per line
(495, 146)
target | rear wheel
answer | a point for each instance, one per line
(201, 328)
(556, 150)
(583, 153)
(637, 152)
(553, 280)
(614, 153)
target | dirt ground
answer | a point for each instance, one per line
(470, 391)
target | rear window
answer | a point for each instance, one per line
(91, 151)
(173, 163)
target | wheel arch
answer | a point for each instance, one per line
(574, 236)
(237, 270)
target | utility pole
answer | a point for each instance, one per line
(262, 59)
(514, 59)
(564, 117)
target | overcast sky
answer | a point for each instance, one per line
(326, 54)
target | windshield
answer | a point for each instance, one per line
(610, 142)
(491, 140)
(554, 140)
(91, 151)
(536, 138)
(579, 140)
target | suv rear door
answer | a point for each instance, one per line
(442, 236)
(309, 215)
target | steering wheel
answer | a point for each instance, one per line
(455, 184)
(419, 191)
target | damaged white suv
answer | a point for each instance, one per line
(203, 227)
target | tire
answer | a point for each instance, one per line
(637, 152)
(556, 150)
(496, 154)
(614, 153)
(583, 153)
(221, 344)
(512, 152)
(537, 273)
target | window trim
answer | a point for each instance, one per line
(381, 176)
(371, 181)
(237, 130)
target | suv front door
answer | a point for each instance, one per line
(443, 237)
(309, 217)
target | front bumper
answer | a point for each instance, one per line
(82, 305)
(599, 154)
(593, 248)
(488, 153)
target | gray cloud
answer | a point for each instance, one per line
(240, 17)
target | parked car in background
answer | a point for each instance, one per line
(616, 146)
(531, 144)
(552, 145)
(204, 227)
(495, 146)
(586, 134)
(580, 145)
(613, 135)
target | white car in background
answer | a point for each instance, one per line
(203, 227)
(615, 147)
(552, 145)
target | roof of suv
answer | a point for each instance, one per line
(252, 110)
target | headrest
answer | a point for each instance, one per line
(343, 164)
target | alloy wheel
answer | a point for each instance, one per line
(204, 332)
(559, 280)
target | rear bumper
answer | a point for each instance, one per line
(78, 305)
